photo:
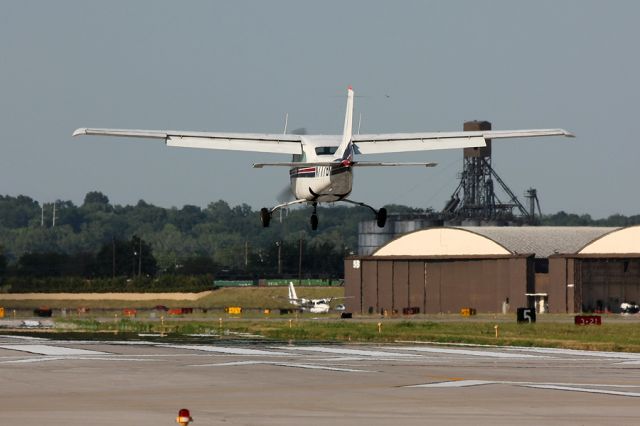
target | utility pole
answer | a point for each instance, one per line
(300, 261)
(42, 215)
(135, 253)
(246, 255)
(140, 258)
(279, 245)
(54, 215)
(113, 257)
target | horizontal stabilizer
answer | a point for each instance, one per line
(377, 164)
(292, 164)
(336, 164)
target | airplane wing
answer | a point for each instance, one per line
(339, 298)
(274, 143)
(407, 142)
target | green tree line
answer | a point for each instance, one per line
(101, 241)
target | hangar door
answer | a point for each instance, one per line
(606, 283)
(401, 286)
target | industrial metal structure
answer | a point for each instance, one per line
(475, 198)
(371, 237)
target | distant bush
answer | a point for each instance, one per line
(163, 284)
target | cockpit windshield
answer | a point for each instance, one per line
(326, 150)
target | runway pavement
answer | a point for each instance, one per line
(138, 382)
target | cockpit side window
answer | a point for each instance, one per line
(326, 150)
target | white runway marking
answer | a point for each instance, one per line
(454, 384)
(228, 364)
(344, 351)
(576, 352)
(322, 367)
(6, 336)
(465, 352)
(51, 350)
(462, 383)
(31, 360)
(74, 358)
(569, 387)
(226, 350)
(572, 389)
(551, 351)
(283, 364)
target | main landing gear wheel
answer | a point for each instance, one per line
(265, 217)
(381, 217)
(314, 217)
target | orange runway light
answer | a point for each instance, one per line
(184, 417)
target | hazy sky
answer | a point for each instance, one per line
(241, 65)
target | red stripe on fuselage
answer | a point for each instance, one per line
(310, 172)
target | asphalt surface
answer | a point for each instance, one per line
(146, 382)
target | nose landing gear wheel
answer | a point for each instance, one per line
(265, 217)
(381, 217)
(314, 221)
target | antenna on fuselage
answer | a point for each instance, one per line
(286, 121)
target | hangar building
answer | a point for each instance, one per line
(497, 269)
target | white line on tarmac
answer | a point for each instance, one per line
(7, 336)
(465, 352)
(51, 350)
(283, 364)
(344, 351)
(322, 367)
(576, 352)
(74, 358)
(454, 384)
(32, 360)
(572, 389)
(554, 351)
(226, 350)
(462, 383)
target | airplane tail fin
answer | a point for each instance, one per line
(293, 297)
(345, 150)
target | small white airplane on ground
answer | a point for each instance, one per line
(315, 306)
(321, 168)
(629, 308)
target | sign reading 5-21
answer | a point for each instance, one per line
(587, 320)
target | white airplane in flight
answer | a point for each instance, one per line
(315, 306)
(321, 167)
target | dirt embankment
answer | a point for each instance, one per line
(104, 296)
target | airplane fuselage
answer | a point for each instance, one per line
(321, 183)
(319, 308)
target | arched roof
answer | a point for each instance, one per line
(619, 241)
(543, 241)
(441, 241)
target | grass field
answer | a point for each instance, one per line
(617, 333)
(617, 336)
(247, 297)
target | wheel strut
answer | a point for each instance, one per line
(265, 217)
(314, 217)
